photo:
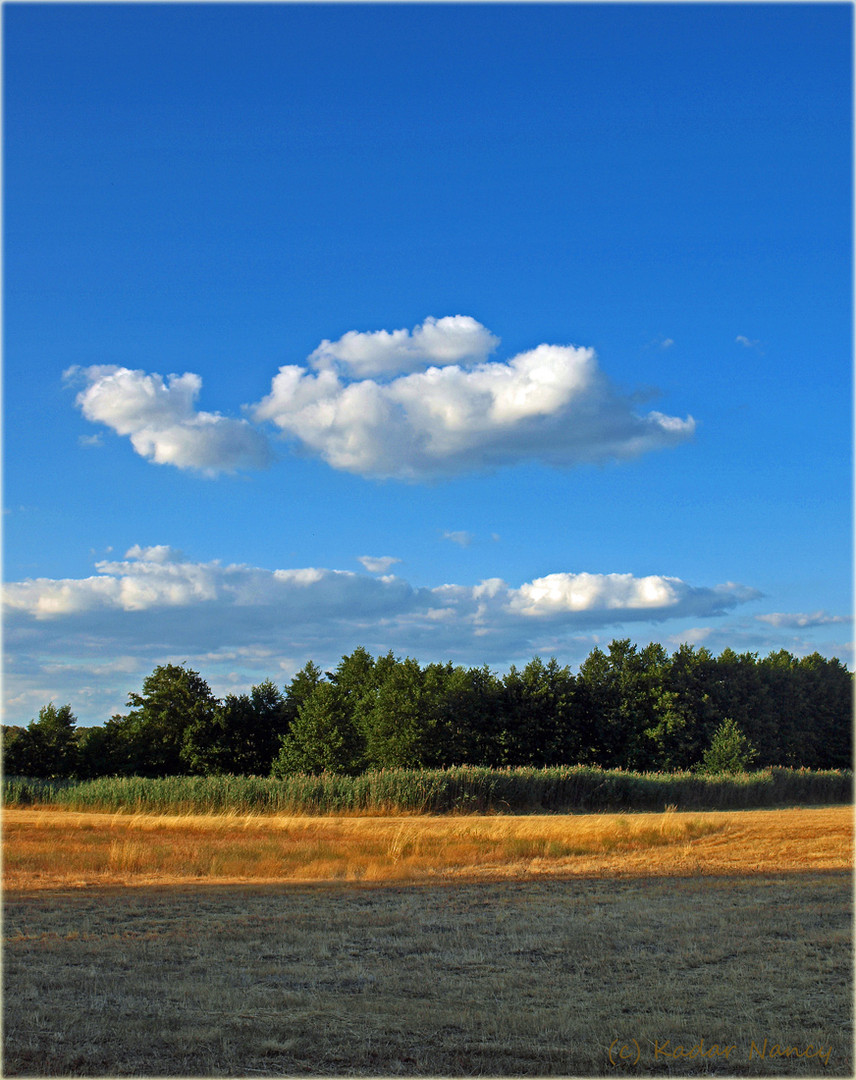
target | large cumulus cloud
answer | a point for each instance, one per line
(405, 404)
(551, 404)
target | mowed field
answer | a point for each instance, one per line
(634, 944)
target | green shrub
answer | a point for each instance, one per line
(729, 751)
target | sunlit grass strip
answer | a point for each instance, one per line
(44, 846)
(51, 848)
(47, 847)
(463, 789)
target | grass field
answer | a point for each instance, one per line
(455, 946)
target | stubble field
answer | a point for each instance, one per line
(429, 946)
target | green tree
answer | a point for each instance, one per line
(122, 748)
(594, 697)
(464, 707)
(324, 731)
(729, 751)
(247, 731)
(16, 750)
(47, 747)
(398, 720)
(170, 730)
(685, 716)
(825, 730)
(355, 676)
(299, 690)
(537, 715)
(617, 701)
(778, 727)
(321, 738)
(739, 691)
(93, 751)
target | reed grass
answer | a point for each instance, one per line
(461, 789)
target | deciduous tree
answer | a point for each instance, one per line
(171, 724)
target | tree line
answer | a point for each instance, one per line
(633, 708)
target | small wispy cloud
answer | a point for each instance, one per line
(460, 537)
(377, 564)
(694, 635)
(748, 343)
(800, 620)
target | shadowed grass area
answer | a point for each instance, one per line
(496, 978)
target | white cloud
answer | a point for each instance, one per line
(455, 339)
(694, 635)
(377, 564)
(746, 342)
(155, 606)
(159, 578)
(161, 420)
(760, 636)
(561, 593)
(602, 599)
(800, 620)
(551, 404)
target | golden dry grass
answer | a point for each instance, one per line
(47, 848)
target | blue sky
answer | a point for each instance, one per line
(470, 332)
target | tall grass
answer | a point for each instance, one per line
(462, 789)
